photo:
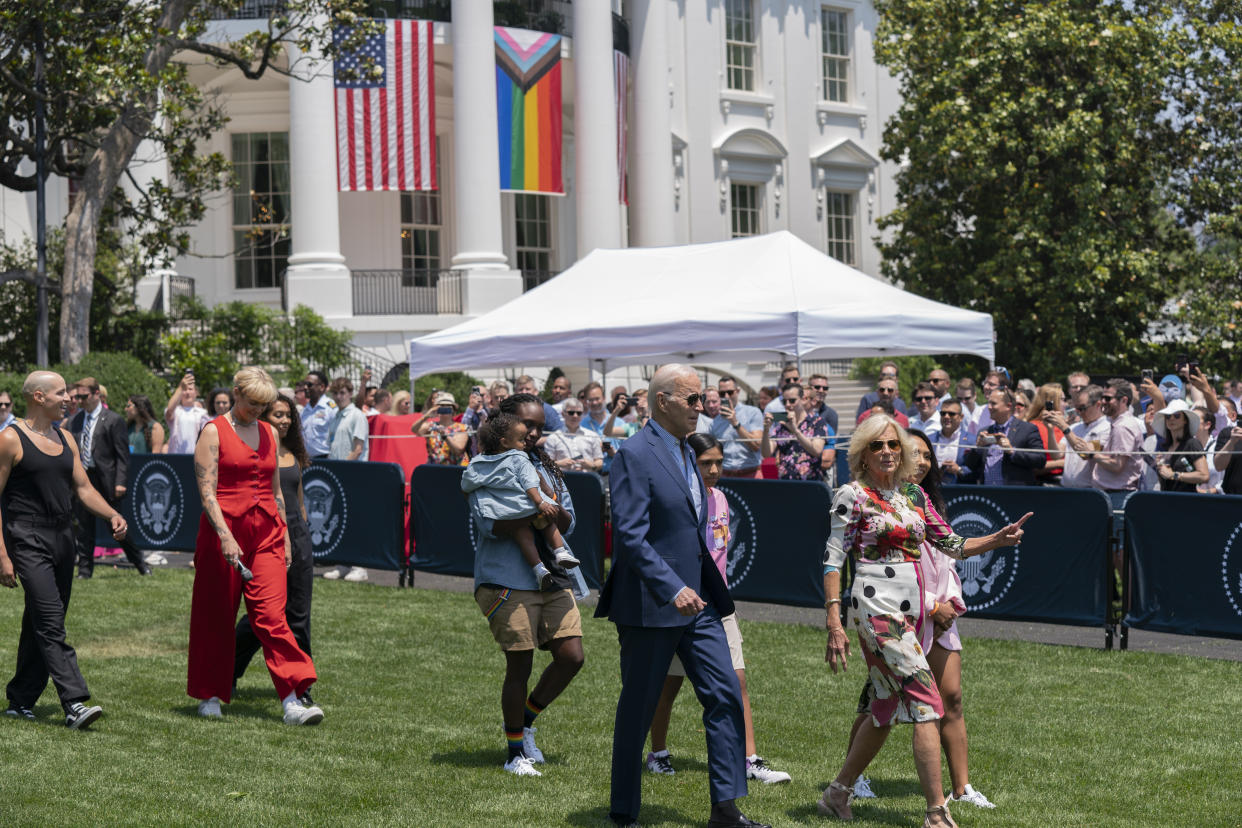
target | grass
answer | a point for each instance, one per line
(410, 680)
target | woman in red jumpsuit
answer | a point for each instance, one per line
(243, 531)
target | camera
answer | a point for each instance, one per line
(987, 439)
(780, 416)
(630, 401)
(1148, 373)
(1050, 405)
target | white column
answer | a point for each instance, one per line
(651, 181)
(317, 275)
(476, 149)
(597, 205)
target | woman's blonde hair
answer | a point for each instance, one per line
(398, 397)
(1050, 391)
(870, 429)
(256, 384)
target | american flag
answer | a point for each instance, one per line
(386, 115)
(620, 77)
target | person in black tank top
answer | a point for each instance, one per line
(40, 475)
(300, 576)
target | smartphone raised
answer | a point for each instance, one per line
(780, 416)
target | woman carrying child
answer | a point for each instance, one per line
(521, 615)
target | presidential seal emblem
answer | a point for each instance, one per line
(742, 538)
(327, 513)
(1231, 569)
(987, 577)
(159, 503)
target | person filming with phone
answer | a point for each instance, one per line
(446, 439)
(796, 438)
(738, 427)
(994, 461)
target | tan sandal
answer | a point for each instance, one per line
(941, 810)
(839, 805)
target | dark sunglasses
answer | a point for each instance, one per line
(887, 390)
(1107, 399)
(924, 399)
(820, 387)
(571, 413)
(6, 405)
(81, 396)
(950, 413)
(878, 445)
(692, 400)
(1081, 408)
(965, 400)
(730, 392)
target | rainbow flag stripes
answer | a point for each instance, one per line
(528, 108)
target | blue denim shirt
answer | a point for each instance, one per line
(497, 559)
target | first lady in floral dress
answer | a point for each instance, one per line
(880, 521)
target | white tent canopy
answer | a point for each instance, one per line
(747, 299)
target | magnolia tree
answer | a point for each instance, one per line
(116, 73)
(1068, 167)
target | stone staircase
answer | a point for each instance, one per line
(843, 395)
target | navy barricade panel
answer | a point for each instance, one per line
(1185, 563)
(777, 532)
(356, 513)
(1056, 575)
(444, 533)
(161, 504)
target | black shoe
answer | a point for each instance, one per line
(739, 821)
(82, 576)
(144, 570)
(623, 821)
(79, 716)
(16, 711)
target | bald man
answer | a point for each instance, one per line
(40, 474)
(666, 596)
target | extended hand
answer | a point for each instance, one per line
(838, 648)
(688, 602)
(120, 492)
(119, 527)
(1012, 534)
(943, 616)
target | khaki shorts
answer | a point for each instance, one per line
(734, 635)
(523, 619)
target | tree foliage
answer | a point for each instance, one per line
(1047, 176)
(115, 73)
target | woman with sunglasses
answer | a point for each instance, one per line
(881, 521)
(939, 639)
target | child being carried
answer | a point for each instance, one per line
(508, 487)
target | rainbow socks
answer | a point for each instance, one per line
(533, 709)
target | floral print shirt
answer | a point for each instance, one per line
(792, 460)
(876, 526)
(439, 451)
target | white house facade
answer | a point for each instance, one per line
(744, 117)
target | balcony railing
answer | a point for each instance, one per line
(378, 292)
(554, 16)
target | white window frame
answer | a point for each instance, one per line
(743, 47)
(280, 227)
(432, 201)
(847, 220)
(841, 59)
(755, 211)
(522, 251)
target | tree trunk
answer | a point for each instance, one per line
(103, 172)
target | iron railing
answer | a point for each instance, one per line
(378, 292)
(180, 287)
(249, 10)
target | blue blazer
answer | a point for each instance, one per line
(658, 542)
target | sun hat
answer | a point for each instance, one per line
(1172, 388)
(1176, 407)
(445, 398)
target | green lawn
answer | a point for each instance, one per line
(410, 683)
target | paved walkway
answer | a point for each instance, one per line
(1140, 640)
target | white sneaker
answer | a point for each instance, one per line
(336, 574)
(521, 766)
(973, 797)
(528, 744)
(862, 788)
(298, 714)
(356, 574)
(661, 763)
(565, 559)
(210, 708)
(155, 559)
(758, 769)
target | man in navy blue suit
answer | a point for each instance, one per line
(666, 596)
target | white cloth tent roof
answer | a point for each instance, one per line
(746, 299)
